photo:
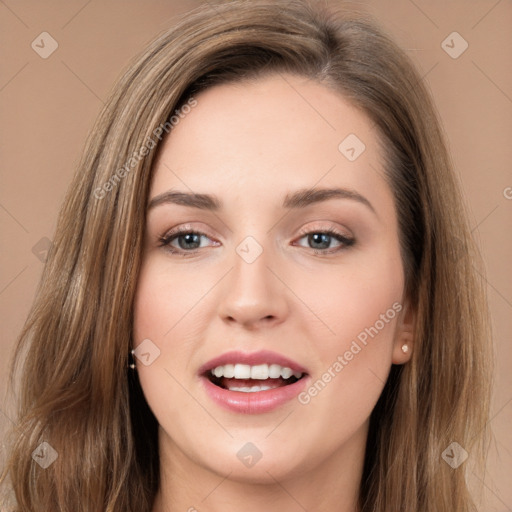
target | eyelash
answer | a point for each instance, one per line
(166, 239)
(345, 240)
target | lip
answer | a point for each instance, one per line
(259, 401)
(253, 403)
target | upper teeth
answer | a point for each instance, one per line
(260, 371)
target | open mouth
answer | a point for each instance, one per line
(252, 379)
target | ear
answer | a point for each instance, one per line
(403, 345)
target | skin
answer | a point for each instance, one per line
(251, 144)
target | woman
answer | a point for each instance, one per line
(322, 345)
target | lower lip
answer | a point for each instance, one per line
(255, 402)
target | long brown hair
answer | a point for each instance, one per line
(76, 391)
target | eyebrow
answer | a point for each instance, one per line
(298, 199)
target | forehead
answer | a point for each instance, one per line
(261, 139)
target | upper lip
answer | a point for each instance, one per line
(252, 359)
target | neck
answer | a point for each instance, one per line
(332, 484)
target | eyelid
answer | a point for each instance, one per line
(165, 239)
(186, 228)
(345, 239)
(325, 227)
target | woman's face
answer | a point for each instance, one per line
(263, 286)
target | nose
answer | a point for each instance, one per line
(253, 294)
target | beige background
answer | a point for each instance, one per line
(48, 105)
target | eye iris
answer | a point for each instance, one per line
(190, 238)
(320, 238)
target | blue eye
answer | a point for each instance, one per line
(189, 241)
(321, 240)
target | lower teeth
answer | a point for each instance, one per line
(252, 389)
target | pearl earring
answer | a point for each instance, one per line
(132, 360)
(405, 348)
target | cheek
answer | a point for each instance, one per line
(163, 301)
(356, 299)
(162, 305)
(153, 311)
(362, 308)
